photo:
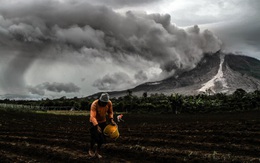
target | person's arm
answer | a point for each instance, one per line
(111, 114)
(93, 113)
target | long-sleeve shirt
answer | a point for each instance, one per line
(98, 113)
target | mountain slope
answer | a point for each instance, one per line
(188, 80)
(242, 72)
(244, 65)
(215, 73)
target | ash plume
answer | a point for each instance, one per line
(111, 82)
(53, 87)
(78, 25)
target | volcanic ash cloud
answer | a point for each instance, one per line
(98, 32)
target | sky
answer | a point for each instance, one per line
(75, 48)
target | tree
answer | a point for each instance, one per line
(76, 105)
(145, 95)
(176, 102)
(239, 93)
(129, 92)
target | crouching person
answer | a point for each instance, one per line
(99, 109)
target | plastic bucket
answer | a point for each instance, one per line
(111, 131)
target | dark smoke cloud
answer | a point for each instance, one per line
(123, 3)
(98, 31)
(79, 37)
(141, 76)
(12, 76)
(53, 87)
(111, 82)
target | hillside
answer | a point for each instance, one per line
(244, 65)
(215, 73)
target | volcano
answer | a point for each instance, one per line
(215, 73)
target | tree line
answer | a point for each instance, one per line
(240, 100)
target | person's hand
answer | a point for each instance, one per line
(99, 129)
(112, 122)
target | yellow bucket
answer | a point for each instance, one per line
(111, 131)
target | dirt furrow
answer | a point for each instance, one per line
(163, 154)
(237, 149)
(249, 139)
(158, 133)
(66, 143)
(45, 153)
(143, 138)
(9, 157)
(43, 135)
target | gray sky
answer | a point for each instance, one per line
(54, 48)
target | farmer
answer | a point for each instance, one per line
(120, 118)
(99, 109)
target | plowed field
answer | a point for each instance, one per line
(30, 137)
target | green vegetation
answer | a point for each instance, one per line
(202, 103)
(240, 100)
(64, 112)
(15, 108)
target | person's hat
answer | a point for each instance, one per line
(104, 97)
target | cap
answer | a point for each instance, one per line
(104, 97)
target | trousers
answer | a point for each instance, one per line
(95, 136)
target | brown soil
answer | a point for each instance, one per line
(229, 137)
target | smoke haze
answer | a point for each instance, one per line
(67, 41)
(53, 87)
